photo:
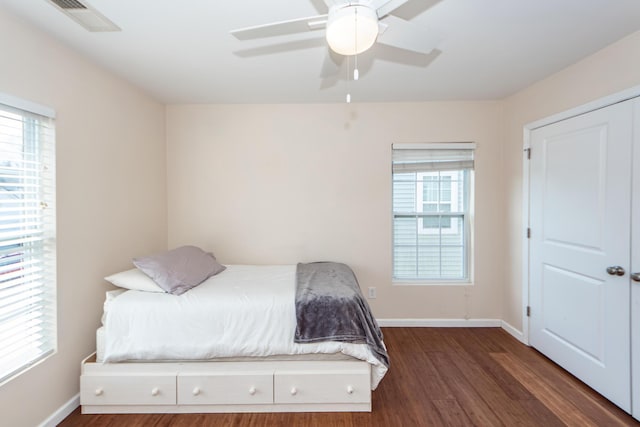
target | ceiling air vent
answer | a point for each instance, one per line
(69, 4)
(85, 15)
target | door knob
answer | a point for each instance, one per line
(615, 270)
(635, 277)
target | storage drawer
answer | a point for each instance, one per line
(148, 389)
(318, 387)
(225, 388)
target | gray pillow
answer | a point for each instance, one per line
(178, 270)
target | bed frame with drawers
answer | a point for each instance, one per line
(225, 386)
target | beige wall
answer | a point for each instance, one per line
(611, 70)
(111, 198)
(287, 183)
(268, 184)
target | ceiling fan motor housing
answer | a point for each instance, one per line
(351, 28)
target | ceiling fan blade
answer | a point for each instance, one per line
(385, 7)
(319, 5)
(405, 35)
(280, 28)
(330, 3)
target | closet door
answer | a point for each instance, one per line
(635, 266)
(580, 193)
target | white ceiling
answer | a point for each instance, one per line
(180, 51)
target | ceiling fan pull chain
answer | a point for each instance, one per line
(356, 74)
(355, 69)
(348, 94)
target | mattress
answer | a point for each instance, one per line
(277, 357)
(245, 311)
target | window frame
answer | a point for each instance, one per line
(35, 219)
(467, 216)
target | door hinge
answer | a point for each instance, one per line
(528, 233)
(528, 311)
(528, 151)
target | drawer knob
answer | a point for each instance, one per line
(294, 391)
(98, 392)
(196, 391)
(350, 389)
(155, 391)
(252, 391)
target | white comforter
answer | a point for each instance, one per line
(243, 311)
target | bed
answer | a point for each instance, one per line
(245, 340)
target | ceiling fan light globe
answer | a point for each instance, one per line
(342, 25)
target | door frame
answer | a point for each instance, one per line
(606, 101)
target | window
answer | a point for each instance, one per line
(27, 236)
(435, 195)
(432, 194)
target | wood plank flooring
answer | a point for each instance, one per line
(438, 377)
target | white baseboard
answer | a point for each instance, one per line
(440, 323)
(453, 323)
(517, 334)
(62, 412)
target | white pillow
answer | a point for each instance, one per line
(134, 279)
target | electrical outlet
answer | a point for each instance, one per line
(372, 293)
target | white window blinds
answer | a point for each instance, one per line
(442, 157)
(432, 188)
(27, 236)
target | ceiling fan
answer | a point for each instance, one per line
(352, 27)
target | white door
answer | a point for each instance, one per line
(580, 195)
(635, 267)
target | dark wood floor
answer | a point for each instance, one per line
(438, 377)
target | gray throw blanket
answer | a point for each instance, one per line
(330, 307)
